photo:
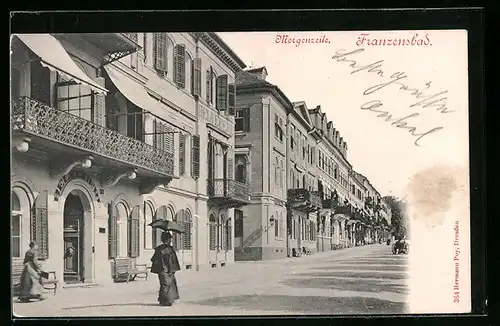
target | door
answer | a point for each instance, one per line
(73, 240)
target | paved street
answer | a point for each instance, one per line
(361, 280)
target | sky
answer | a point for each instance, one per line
(378, 149)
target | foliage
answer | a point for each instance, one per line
(399, 219)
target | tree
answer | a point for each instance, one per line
(399, 219)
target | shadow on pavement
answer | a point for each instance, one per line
(389, 276)
(388, 268)
(368, 262)
(357, 285)
(307, 304)
(143, 304)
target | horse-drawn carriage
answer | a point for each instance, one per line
(401, 246)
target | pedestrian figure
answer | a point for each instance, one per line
(30, 283)
(165, 264)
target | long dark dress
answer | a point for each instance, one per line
(165, 264)
(30, 287)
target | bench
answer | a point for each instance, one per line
(48, 284)
(126, 269)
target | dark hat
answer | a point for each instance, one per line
(165, 236)
(32, 244)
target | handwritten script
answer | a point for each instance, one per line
(424, 99)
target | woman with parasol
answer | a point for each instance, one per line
(165, 264)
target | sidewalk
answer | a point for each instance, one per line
(242, 279)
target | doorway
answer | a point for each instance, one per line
(74, 267)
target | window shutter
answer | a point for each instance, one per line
(40, 225)
(212, 75)
(112, 231)
(222, 93)
(192, 77)
(230, 167)
(180, 65)
(99, 104)
(134, 250)
(182, 154)
(231, 90)
(208, 86)
(168, 138)
(195, 156)
(160, 52)
(197, 77)
(247, 119)
(155, 134)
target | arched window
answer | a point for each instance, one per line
(212, 232)
(123, 228)
(148, 231)
(241, 171)
(16, 226)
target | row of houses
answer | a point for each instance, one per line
(306, 196)
(111, 131)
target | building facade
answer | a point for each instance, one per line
(110, 132)
(261, 152)
(297, 162)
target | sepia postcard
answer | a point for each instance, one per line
(240, 173)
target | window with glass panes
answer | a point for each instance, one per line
(239, 120)
(76, 99)
(16, 226)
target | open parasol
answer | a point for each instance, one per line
(166, 225)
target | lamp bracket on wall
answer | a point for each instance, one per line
(59, 167)
(110, 179)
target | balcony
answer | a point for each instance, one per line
(330, 203)
(304, 200)
(343, 209)
(61, 135)
(228, 193)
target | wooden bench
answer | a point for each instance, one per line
(126, 269)
(48, 284)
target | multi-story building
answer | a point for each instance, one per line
(303, 195)
(333, 181)
(108, 134)
(261, 144)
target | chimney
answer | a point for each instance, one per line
(260, 72)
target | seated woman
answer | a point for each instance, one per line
(31, 287)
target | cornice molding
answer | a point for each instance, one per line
(224, 54)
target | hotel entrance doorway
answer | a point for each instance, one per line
(73, 240)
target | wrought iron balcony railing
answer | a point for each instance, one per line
(36, 118)
(228, 189)
(304, 199)
(330, 203)
(343, 209)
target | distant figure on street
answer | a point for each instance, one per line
(165, 264)
(31, 287)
